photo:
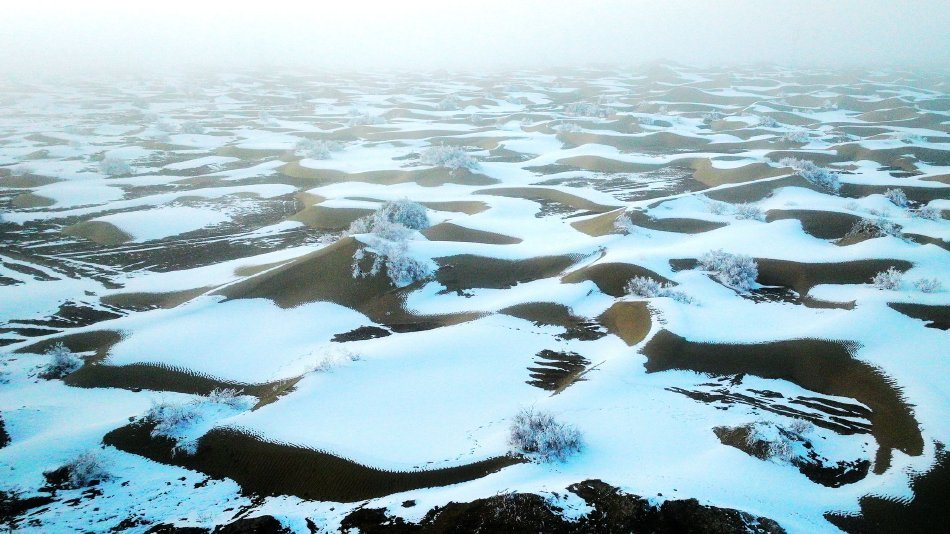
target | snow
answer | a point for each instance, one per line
(164, 222)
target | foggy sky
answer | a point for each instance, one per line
(126, 36)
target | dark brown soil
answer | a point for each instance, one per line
(935, 316)
(611, 278)
(266, 468)
(826, 367)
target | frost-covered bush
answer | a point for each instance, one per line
(86, 469)
(646, 287)
(928, 212)
(62, 362)
(767, 122)
(928, 285)
(734, 270)
(114, 166)
(401, 268)
(888, 280)
(717, 208)
(21, 170)
(624, 225)
(335, 357)
(540, 437)
(879, 227)
(748, 211)
(449, 103)
(773, 441)
(358, 118)
(174, 420)
(391, 226)
(713, 116)
(586, 109)
(192, 127)
(567, 127)
(897, 197)
(796, 136)
(813, 173)
(913, 139)
(452, 157)
(308, 148)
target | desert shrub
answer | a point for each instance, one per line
(913, 139)
(540, 437)
(624, 225)
(62, 362)
(358, 118)
(86, 469)
(449, 103)
(401, 268)
(646, 287)
(888, 280)
(405, 213)
(768, 122)
(567, 127)
(320, 149)
(796, 136)
(717, 208)
(819, 176)
(391, 227)
(748, 211)
(335, 357)
(173, 420)
(586, 109)
(113, 166)
(773, 441)
(928, 285)
(897, 197)
(733, 270)
(192, 127)
(879, 227)
(713, 116)
(452, 157)
(928, 212)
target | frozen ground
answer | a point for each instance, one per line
(187, 236)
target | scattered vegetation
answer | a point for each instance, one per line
(586, 109)
(928, 212)
(391, 226)
(449, 103)
(928, 285)
(734, 270)
(540, 437)
(646, 287)
(86, 469)
(872, 228)
(335, 357)
(319, 149)
(897, 197)
(62, 362)
(775, 441)
(888, 280)
(750, 212)
(358, 118)
(174, 420)
(765, 121)
(114, 166)
(452, 157)
(819, 176)
(796, 136)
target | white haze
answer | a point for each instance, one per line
(126, 36)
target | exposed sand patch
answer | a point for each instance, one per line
(550, 195)
(101, 232)
(630, 321)
(453, 232)
(611, 278)
(427, 177)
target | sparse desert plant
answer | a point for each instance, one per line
(114, 166)
(750, 212)
(452, 157)
(897, 197)
(586, 109)
(717, 208)
(772, 441)
(796, 136)
(230, 397)
(624, 225)
(391, 227)
(713, 116)
(567, 127)
(643, 286)
(173, 420)
(913, 139)
(879, 227)
(358, 118)
(734, 270)
(449, 103)
(335, 357)
(192, 127)
(401, 268)
(767, 122)
(319, 149)
(404, 212)
(930, 213)
(86, 469)
(62, 362)
(928, 285)
(540, 437)
(819, 176)
(889, 280)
